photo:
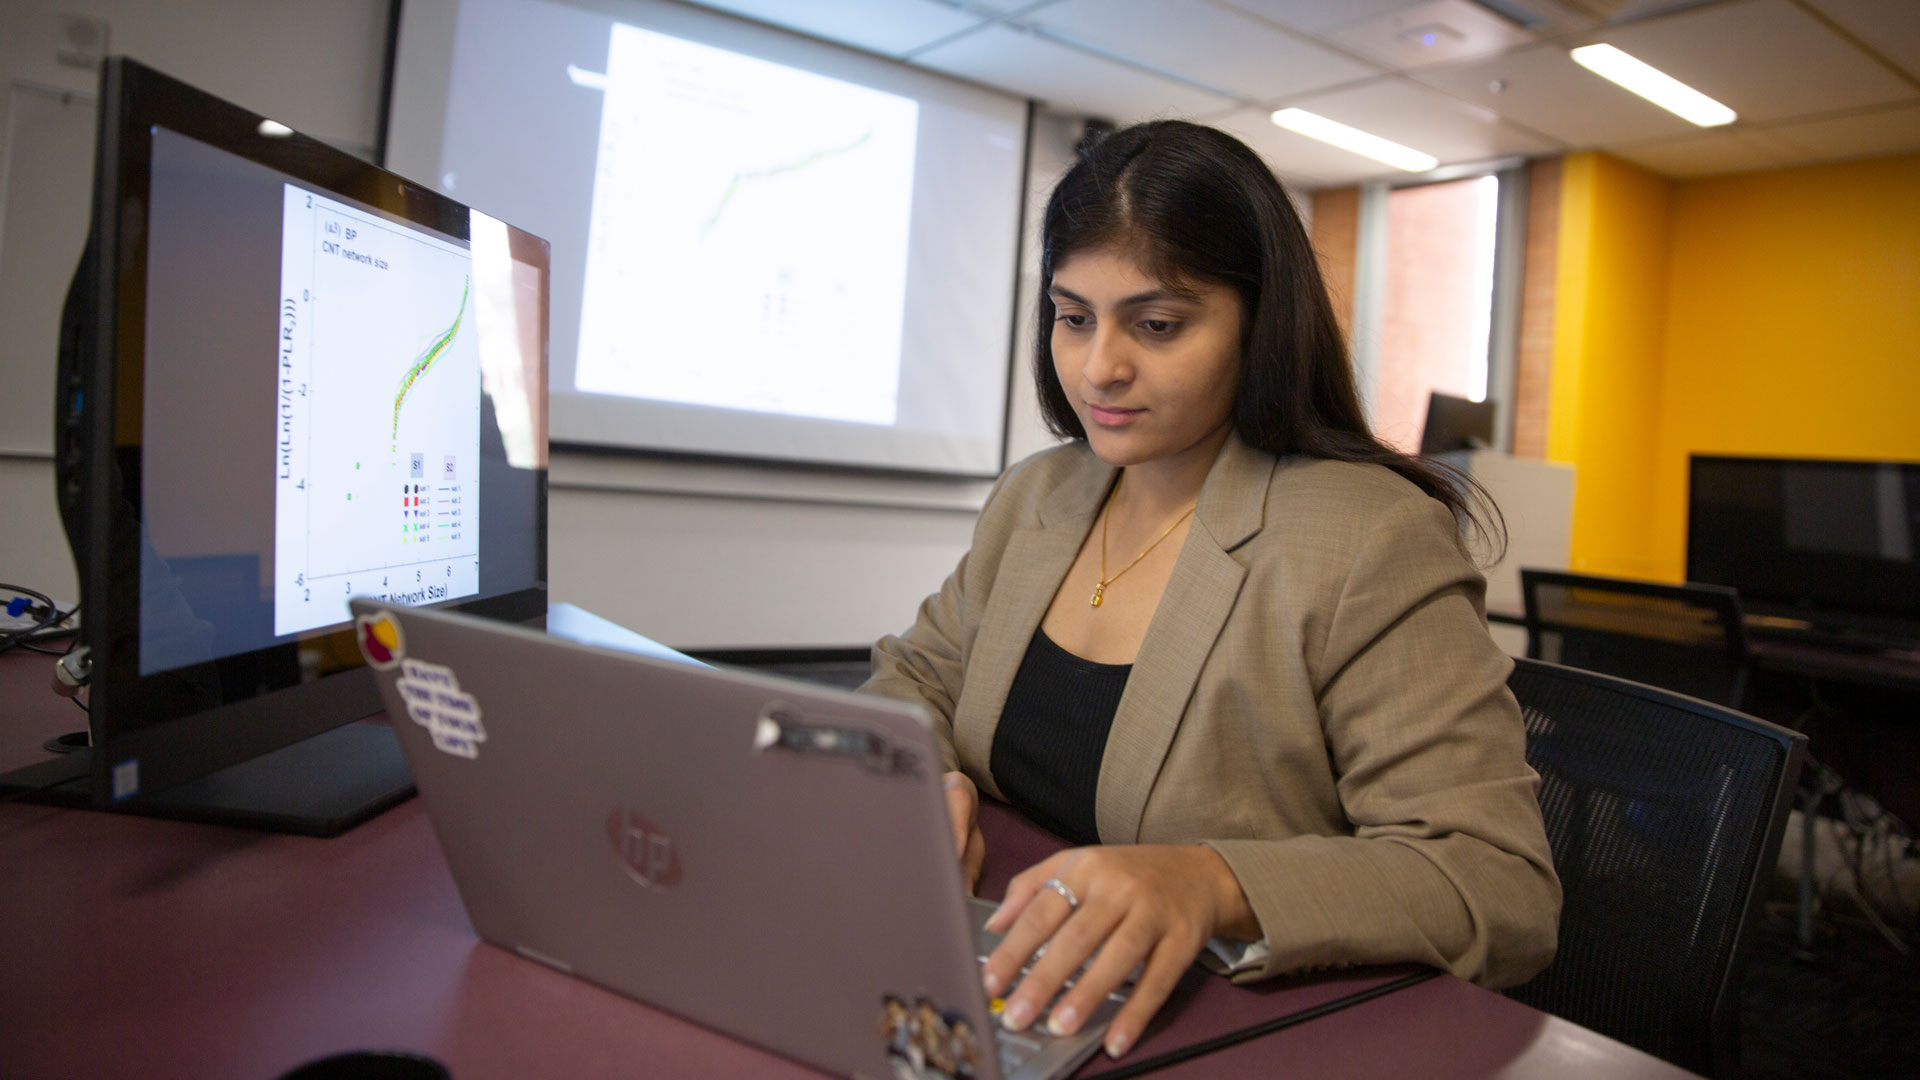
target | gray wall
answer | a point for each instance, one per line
(695, 555)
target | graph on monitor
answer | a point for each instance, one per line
(377, 415)
(766, 270)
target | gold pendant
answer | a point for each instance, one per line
(1097, 590)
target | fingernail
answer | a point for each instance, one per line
(1017, 1016)
(990, 982)
(1117, 1043)
(1062, 1021)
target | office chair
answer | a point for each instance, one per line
(1687, 638)
(1665, 815)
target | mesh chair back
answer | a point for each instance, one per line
(1664, 812)
(1688, 638)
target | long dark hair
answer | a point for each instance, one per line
(1194, 204)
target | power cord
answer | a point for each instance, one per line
(46, 614)
(74, 666)
(37, 606)
(30, 640)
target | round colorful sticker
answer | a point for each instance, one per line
(380, 640)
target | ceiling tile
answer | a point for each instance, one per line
(1302, 163)
(1209, 43)
(1872, 134)
(1313, 16)
(889, 27)
(1765, 59)
(1890, 27)
(1545, 91)
(1435, 32)
(1431, 122)
(1065, 78)
(1710, 153)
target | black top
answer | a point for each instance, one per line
(1052, 734)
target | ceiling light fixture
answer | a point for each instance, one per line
(1653, 84)
(1353, 140)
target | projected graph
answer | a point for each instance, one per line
(426, 360)
(378, 415)
(744, 179)
(767, 269)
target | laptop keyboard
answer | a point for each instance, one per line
(1022, 1048)
(1034, 1050)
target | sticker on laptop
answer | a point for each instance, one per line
(436, 702)
(785, 729)
(380, 640)
(926, 1042)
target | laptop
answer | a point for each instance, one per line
(767, 858)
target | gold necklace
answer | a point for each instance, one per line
(1100, 588)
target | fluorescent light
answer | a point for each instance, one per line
(1354, 140)
(1653, 84)
(274, 129)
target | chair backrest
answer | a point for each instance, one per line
(1665, 815)
(1688, 638)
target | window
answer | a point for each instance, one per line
(1428, 315)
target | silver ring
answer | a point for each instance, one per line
(1054, 883)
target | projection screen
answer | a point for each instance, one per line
(764, 245)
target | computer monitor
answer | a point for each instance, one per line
(1827, 542)
(1456, 423)
(287, 378)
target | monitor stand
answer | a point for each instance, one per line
(320, 786)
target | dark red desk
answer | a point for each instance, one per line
(132, 946)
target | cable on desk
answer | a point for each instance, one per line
(40, 606)
(1233, 1038)
(29, 639)
(45, 613)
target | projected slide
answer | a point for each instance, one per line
(378, 415)
(748, 245)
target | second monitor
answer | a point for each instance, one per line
(287, 378)
(1456, 423)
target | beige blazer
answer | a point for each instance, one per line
(1316, 697)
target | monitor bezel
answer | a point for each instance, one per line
(108, 377)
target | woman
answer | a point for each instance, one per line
(1224, 637)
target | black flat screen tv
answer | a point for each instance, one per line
(1831, 542)
(287, 377)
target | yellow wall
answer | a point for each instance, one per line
(1609, 331)
(1793, 326)
(1762, 313)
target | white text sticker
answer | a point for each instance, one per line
(436, 702)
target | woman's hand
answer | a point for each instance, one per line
(963, 806)
(1147, 907)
